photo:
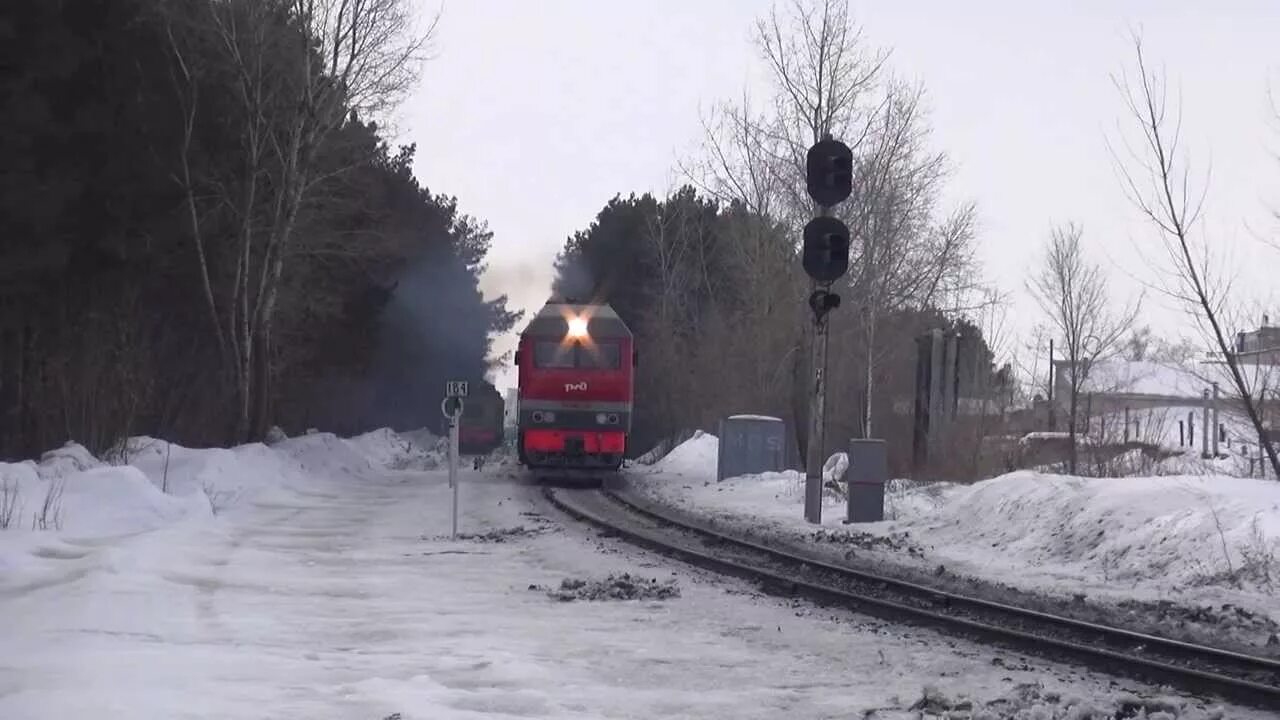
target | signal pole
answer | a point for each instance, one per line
(818, 412)
(451, 406)
(829, 179)
(817, 416)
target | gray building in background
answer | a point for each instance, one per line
(751, 444)
(1261, 346)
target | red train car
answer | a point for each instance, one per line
(576, 369)
(480, 429)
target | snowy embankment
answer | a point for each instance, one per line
(316, 578)
(1193, 540)
(52, 509)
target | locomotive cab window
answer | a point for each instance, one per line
(600, 356)
(551, 354)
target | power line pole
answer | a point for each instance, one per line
(829, 180)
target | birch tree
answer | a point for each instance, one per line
(300, 69)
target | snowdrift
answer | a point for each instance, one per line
(693, 457)
(1210, 536)
(1172, 531)
(70, 496)
(71, 492)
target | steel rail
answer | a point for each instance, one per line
(1235, 677)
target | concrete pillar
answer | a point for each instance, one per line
(935, 390)
(920, 424)
(949, 366)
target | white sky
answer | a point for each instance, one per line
(534, 114)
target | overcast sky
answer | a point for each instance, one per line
(534, 114)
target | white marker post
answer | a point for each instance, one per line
(451, 406)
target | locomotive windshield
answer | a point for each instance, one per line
(551, 354)
(599, 356)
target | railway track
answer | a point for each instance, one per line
(1198, 669)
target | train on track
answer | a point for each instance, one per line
(480, 430)
(575, 366)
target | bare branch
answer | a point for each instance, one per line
(1169, 204)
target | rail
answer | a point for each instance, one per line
(1199, 669)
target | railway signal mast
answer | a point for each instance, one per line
(825, 257)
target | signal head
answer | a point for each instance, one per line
(829, 172)
(825, 256)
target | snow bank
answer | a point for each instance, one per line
(1167, 531)
(109, 501)
(49, 509)
(695, 457)
(66, 460)
(71, 492)
(423, 438)
(1209, 538)
(388, 449)
(74, 495)
(227, 476)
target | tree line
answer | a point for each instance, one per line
(709, 277)
(204, 231)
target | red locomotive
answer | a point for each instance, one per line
(575, 366)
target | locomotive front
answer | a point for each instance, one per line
(575, 370)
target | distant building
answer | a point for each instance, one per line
(1261, 346)
(1136, 384)
(1117, 391)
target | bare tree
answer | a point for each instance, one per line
(300, 68)
(1157, 180)
(1073, 292)
(827, 78)
(674, 238)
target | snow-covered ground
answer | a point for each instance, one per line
(1196, 540)
(315, 578)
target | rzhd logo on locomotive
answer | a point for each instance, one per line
(580, 386)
